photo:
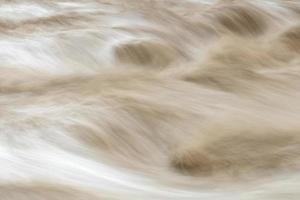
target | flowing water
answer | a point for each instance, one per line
(149, 99)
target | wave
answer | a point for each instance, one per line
(149, 99)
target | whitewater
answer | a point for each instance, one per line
(149, 99)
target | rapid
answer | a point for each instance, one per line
(149, 99)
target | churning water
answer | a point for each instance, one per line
(149, 99)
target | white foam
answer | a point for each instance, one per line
(24, 11)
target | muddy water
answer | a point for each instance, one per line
(149, 99)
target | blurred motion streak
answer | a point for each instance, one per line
(149, 99)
